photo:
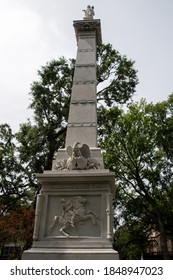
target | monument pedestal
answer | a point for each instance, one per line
(74, 216)
(65, 254)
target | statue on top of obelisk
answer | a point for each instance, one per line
(89, 12)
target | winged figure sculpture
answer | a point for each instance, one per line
(78, 156)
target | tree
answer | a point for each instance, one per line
(144, 170)
(16, 182)
(132, 237)
(131, 240)
(120, 74)
(50, 102)
(16, 227)
(162, 115)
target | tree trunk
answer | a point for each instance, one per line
(163, 239)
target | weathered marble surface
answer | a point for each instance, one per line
(82, 231)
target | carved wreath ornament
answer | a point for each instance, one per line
(79, 159)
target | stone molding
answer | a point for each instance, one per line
(86, 65)
(88, 26)
(89, 124)
(84, 82)
(82, 101)
(86, 50)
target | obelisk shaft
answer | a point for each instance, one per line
(82, 121)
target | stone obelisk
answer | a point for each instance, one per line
(82, 122)
(74, 218)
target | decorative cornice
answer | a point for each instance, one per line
(88, 26)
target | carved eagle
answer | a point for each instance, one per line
(77, 152)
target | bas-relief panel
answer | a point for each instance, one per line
(73, 215)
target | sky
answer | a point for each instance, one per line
(33, 32)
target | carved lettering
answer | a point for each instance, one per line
(78, 187)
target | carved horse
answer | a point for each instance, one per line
(75, 215)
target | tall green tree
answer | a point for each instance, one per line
(16, 227)
(16, 181)
(144, 169)
(131, 240)
(50, 97)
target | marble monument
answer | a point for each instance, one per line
(74, 216)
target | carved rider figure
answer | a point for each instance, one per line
(67, 211)
(89, 12)
(73, 212)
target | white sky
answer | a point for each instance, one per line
(32, 32)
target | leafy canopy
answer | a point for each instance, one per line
(135, 150)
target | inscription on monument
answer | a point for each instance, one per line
(76, 186)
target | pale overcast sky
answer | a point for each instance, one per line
(32, 32)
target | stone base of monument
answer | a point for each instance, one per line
(78, 254)
(74, 216)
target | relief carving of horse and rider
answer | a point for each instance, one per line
(73, 212)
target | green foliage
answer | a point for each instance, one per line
(120, 73)
(135, 151)
(131, 240)
(50, 95)
(50, 102)
(15, 182)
